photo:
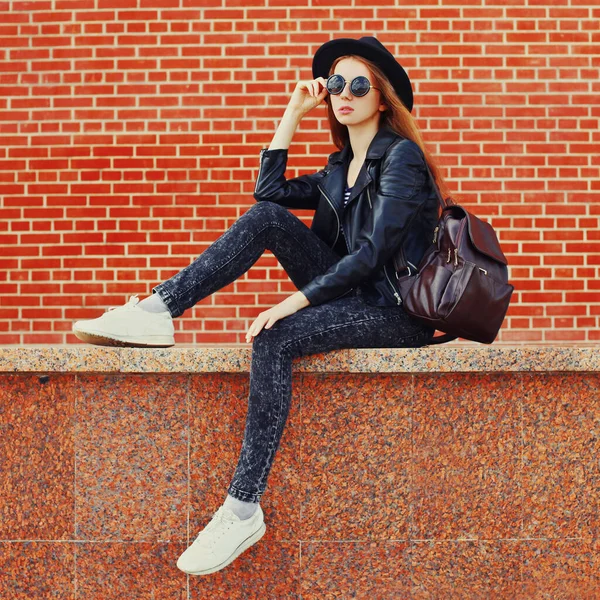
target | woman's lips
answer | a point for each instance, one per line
(345, 109)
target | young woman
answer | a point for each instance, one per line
(372, 199)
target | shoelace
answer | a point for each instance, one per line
(219, 516)
(133, 300)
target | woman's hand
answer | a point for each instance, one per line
(307, 95)
(268, 317)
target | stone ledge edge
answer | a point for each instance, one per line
(237, 359)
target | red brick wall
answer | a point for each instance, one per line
(131, 132)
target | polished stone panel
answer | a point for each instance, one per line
(353, 569)
(132, 570)
(554, 569)
(465, 570)
(466, 457)
(355, 455)
(37, 464)
(131, 454)
(561, 447)
(266, 570)
(35, 570)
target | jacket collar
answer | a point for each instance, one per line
(379, 144)
(335, 181)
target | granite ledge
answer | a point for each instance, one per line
(235, 358)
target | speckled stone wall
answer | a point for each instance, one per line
(467, 484)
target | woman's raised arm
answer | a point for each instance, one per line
(299, 192)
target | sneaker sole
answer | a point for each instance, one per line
(249, 541)
(103, 340)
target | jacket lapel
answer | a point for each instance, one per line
(335, 181)
(362, 180)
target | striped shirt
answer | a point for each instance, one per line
(347, 193)
(341, 247)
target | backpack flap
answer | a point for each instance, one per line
(484, 238)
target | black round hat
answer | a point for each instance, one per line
(371, 49)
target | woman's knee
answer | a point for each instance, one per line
(268, 208)
(277, 340)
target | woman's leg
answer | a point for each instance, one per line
(346, 322)
(264, 226)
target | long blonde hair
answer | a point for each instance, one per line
(396, 117)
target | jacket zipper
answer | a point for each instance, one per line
(458, 238)
(338, 232)
(260, 161)
(336, 216)
(395, 292)
(398, 298)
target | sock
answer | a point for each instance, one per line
(153, 304)
(244, 510)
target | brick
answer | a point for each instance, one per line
(542, 297)
(86, 238)
(42, 338)
(589, 297)
(563, 260)
(61, 275)
(41, 225)
(41, 313)
(125, 237)
(237, 299)
(127, 288)
(175, 236)
(83, 288)
(565, 335)
(564, 284)
(19, 275)
(82, 262)
(19, 251)
(586, 322)
(522, 336)
(60, 301)
(545, 248)
(39, 288)
(104, 249)
(6, 339)
(19, 301)
(62, 250)
(131, 262)
(147, 249)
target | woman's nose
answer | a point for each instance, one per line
(343, 92)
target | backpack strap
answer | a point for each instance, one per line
(442, 203)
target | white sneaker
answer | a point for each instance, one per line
(222, 541)
(128, 325)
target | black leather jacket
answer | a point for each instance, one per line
(392, 204)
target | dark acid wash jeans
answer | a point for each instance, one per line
(345, 322)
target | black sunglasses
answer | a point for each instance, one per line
(359, 86)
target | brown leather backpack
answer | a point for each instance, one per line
(461, 287)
